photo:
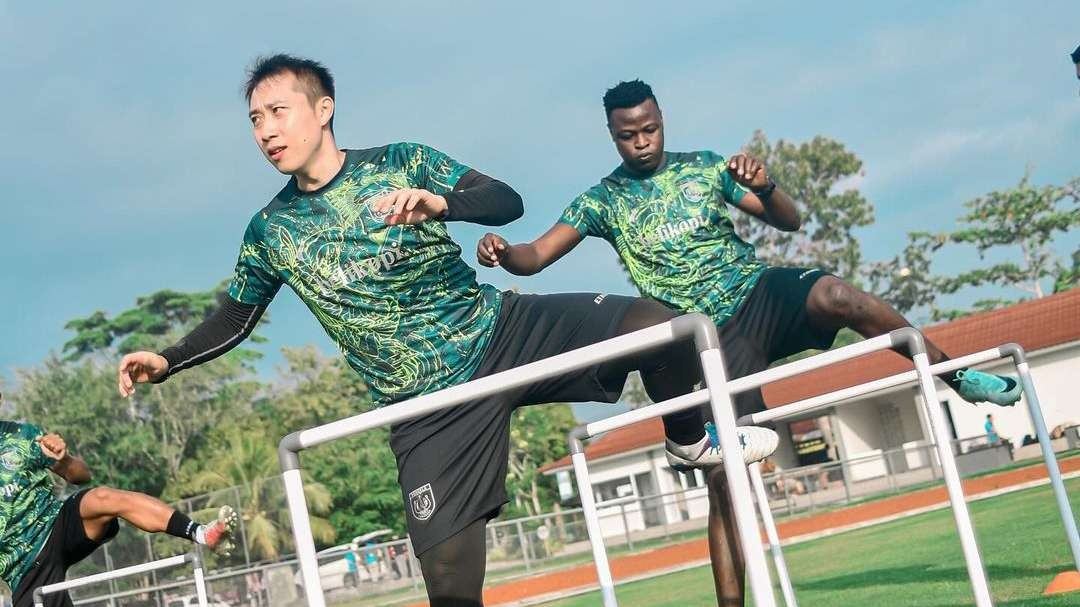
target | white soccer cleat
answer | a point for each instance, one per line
(757, 444)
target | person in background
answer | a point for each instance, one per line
(992, 436)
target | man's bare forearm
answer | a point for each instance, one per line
(73, 469)
(781, 211)
(522, 260)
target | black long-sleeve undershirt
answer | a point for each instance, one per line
(220, 332)
(476, 198)
(480, 199)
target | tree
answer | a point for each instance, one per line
(537, 436)
(359, 472)
(79, 401)
(813, 173)
(246, 457)
(1017, 226)
(907, 281)
(180, 410)
(1025, 217)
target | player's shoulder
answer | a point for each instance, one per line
(20, 430)
(8, 427)
(258, 223)
(399, 152)
(601, 192)
(699, 158)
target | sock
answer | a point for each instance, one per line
(685, 427)
(183, 527)
(953, 380)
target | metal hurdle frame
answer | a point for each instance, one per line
(1009, 351)
(172, 561)
(736, 471)
(696, 326)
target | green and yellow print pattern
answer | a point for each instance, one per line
(674, 233)
(401, 304)
(29, 507)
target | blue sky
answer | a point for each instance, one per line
(129, 167)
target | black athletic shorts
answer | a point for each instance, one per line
(771, 324)
(452, 464)
(67, 545)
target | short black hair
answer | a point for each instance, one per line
(313, 76)
(627, 94)
(1076, 55)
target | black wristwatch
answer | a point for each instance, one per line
(765, 192)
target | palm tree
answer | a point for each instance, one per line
(248, 461)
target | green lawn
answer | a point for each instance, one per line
(914, 561)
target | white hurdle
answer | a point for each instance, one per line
(97, 578)
(696, 326)
(909, 339)
(1012, 352)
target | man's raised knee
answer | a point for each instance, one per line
(835, 299)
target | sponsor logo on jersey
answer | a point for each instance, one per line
(12, 460)
(693, 191)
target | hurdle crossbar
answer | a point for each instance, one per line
(97, 578)
(907, 338)
(696, 326)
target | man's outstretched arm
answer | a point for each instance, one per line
(527, 258)
(220, 332)
(765, 200)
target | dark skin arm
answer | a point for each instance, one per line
(779, 210)
(72, 469)
(526, 259)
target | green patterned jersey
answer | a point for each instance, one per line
(401, 304)
(29, 507)
(674, 233)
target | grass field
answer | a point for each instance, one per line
(913, 561)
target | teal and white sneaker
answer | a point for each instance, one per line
(976, 387)
(757, 444)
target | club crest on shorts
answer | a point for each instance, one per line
(422, 502)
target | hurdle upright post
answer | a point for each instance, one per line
(592, 519)
(737, 479)
(289, 458)
(200, 577)
(770, 533)
(916, 346)
(1066, 581)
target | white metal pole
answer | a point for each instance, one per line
(738, 484)
(835, 397)
(774, 537)
(200, 580)
(979, 585)
(305, 543)
(1052, 468)
(592, 525)
(105, 576)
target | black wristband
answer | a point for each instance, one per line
(765, 193)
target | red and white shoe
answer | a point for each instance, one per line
(219, 534)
